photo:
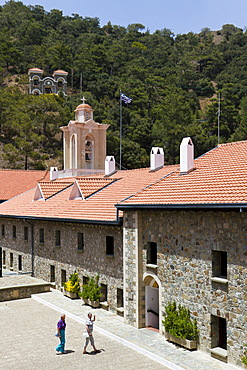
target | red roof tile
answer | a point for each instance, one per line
(89, 186)
(99, 206)
(50, 188)
(219, 177)
(15, 182)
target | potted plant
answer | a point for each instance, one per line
(179, 327)
(72, 286)
(91, 292)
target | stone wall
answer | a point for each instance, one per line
(91, 261)
(22, 291)
(185, 241)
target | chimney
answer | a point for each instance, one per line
(156, 158)
(109, 165)
(186, 156)
(53, 173)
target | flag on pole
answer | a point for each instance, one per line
(125, 98)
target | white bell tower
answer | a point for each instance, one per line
(84, 140)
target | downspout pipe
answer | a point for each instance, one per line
(32, 247)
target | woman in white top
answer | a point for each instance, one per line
(89, 332)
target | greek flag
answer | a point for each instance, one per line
(125, 98)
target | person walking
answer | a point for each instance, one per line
(89, 333)
(61, 325)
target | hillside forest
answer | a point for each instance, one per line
(180, 85)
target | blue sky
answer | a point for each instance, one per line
(181, 16)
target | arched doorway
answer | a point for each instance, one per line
(152, 285)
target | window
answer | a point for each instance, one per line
(85, 280)
(218, 332)
(219, 264)
(19, 262)
(63, 276)
(52, 273)
(57, 238)
(4, 258)
(152, 253)
(25, 233)
(11, 259)
(41, 235)
(109, 245)
(14, 231)
(119, 297)
(103, 298)
(3, 230)
(80, 242)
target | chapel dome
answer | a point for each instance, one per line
(83, 106)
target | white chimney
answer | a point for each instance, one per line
(156, 158)
(53, 173)
(186, 155)
(109, 165)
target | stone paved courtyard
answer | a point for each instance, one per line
(28, 342)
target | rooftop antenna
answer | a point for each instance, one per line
(218, 113)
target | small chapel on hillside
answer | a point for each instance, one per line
(55, 84)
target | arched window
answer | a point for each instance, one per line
(73, 152)
(89, 152)
(35, 81)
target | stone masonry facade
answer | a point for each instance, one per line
(55, 263)
(189, 244)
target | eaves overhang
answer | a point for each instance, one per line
(68, 220)
(185, 206)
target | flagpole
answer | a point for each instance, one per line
(120, 149)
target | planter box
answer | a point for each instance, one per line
(94, 304)
(72, 295)
(186, 343)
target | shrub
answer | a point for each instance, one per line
(91, 290)
(244, 358)
(73, 284)
(178, 322)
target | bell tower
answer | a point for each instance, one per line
(84, 140)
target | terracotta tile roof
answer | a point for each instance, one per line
(50, 188)
(219, 177)
(100, 206)
(89, 186)
(15, 182)
(35, 70)
(60, 71)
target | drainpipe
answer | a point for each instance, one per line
(117, 214)
(32, 247)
